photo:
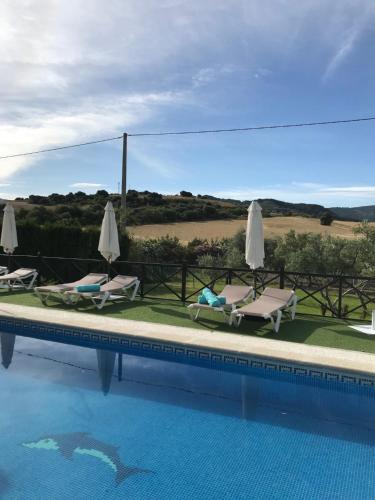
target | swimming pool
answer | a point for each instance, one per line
(172, 430)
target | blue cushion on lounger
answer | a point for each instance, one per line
(223, 300)
(88, 288)
(211, 298)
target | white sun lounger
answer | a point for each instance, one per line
(270, 305)
(115, 289)
(44, 292)
(21, 278)
(234, 295)
(3, 270)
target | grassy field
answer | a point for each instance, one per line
(304, 329)
(274, 226)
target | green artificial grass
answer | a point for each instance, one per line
(305, 329)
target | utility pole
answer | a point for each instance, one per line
(123, 181)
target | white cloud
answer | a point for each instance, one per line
(208, 75)
(156, 165)
(9, 196)
(353, 21)
(344, 49)
(305, 192)
(76, 71)
(367, 191)
(88, 120)
(87, 185)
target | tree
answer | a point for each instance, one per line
(38, 200)
(326, 219)
(56, 198)
(366, 251)
(186, 194)
(101, 193)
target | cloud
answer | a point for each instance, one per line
(9, 196)
(163, 167)
(87, 120)
(354, 20)
(262, 73)
(344, 49)
(367, 191)
(87, 185)
(77, 71)
(304, 192)
(208, 75)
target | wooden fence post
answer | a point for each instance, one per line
(339, 305)
(183, 281)
(39, 268)
(229, 277)
(143, 276)
(282, 277)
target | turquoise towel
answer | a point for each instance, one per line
(88, 288)
(222, 300)
(211, 298)
(202, 299)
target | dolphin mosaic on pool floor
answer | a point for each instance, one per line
(82, 443)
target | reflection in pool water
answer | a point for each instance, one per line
(171, 430)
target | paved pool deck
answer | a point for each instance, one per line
(338, 359)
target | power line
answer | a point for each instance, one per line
(191, 132)
(61, 147)
(245, 129)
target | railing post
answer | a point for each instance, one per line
(229, 277)
(39, 268)
(183, 282)
(339, 304)
(143, 276)
(282, 277)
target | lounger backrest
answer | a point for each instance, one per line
(22, 272)
(235, 293)
(89, 279)
(118, 283)
(279, 294)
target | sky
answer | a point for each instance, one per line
(79, 71)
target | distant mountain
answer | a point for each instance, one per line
(277, 207)
(273, 207)
(145, 207)
(355, 213)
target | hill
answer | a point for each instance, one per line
(356, 213)
(146, 207)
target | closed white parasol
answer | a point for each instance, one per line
(9, 240)
(254, 237)
(108, 244)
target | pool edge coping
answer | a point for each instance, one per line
(230, 343)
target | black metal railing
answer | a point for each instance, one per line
(339, 296)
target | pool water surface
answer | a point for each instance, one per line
(176, 431)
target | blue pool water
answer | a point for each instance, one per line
(174, 431)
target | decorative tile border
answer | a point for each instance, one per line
(180, 353)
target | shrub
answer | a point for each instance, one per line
(207, 260)
(56, 240)
(164, 249)
(326, 219)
